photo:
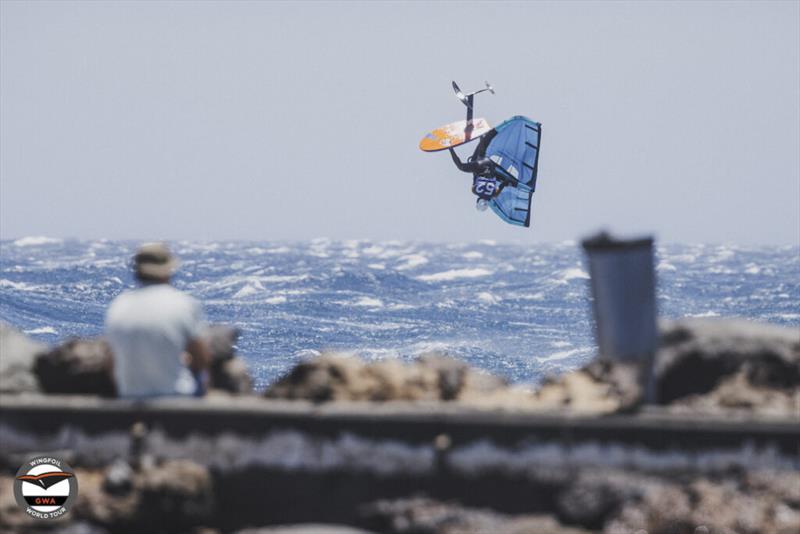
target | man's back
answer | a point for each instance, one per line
(148, 330)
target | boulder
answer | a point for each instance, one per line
(304, 528)
(705, 505)
(175, 496)
(426, 516)
(700, 357)
(78, 366)
(119, 478)
(602, 386)
(17, 356)
(328, 377)
(736, 393)
(337, 377)
(228, 372)
(591, 496)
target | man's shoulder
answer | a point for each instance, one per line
(150, 296)
(168, 295)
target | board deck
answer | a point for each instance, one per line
(454, 134)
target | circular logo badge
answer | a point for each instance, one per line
(45, 487)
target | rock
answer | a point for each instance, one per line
(451, 374)
(700, 356)
(603, 386)
(750, 504)
(304, 528)
(115, 512)
(228, 372)
(232, 376)
(328, 377)
(175, 495)
(591, 498)
(625, 380)
(664, 508)
(77, 367)
(736, 393)
(17, 356)
(425, 516)
(119, 478)
(221, 339)
(336, 377)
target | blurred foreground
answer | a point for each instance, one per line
(433, 446)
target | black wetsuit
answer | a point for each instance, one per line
(484, 183)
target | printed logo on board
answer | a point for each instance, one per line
(45, 487)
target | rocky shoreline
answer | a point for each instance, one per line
(430, 446)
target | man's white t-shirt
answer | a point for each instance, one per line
(148, 329)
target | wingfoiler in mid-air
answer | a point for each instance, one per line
(505, 162)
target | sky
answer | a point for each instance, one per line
(290, 121)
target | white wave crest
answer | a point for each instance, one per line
(560, 355)
(42, 330)
(19, 286)
(572, 273)
(487, 298)
(704, 314)
(530, 296)
(249, 289)
(33, 241)
(368, 302)
(373, 250)
(454, 274)
(411, 261)
(283, 279)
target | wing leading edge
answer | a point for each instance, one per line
(515, 148)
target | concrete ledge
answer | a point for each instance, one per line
(407, 422)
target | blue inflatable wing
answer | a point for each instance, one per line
(515, 149)
(513, 205)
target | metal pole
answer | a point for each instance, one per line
(624, 301)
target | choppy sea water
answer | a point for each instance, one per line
(518, 311)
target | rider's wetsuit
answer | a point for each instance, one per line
(484, 183)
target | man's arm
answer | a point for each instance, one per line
(199, 355)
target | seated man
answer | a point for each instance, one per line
(150, 330)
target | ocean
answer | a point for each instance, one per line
(518, 311)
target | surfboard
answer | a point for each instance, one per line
(454, 134)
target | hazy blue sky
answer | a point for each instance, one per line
(266, 120)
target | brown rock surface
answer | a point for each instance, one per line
(425, 516)
(336, 377)
(752, 505)
(723, 364)
(304, 528)
(600, 387)
(174, 496)
(228, 372)
(79, 366)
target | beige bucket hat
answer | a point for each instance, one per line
(154, 260)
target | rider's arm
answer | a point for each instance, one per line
(466, 167)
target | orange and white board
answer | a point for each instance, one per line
(454, 134)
